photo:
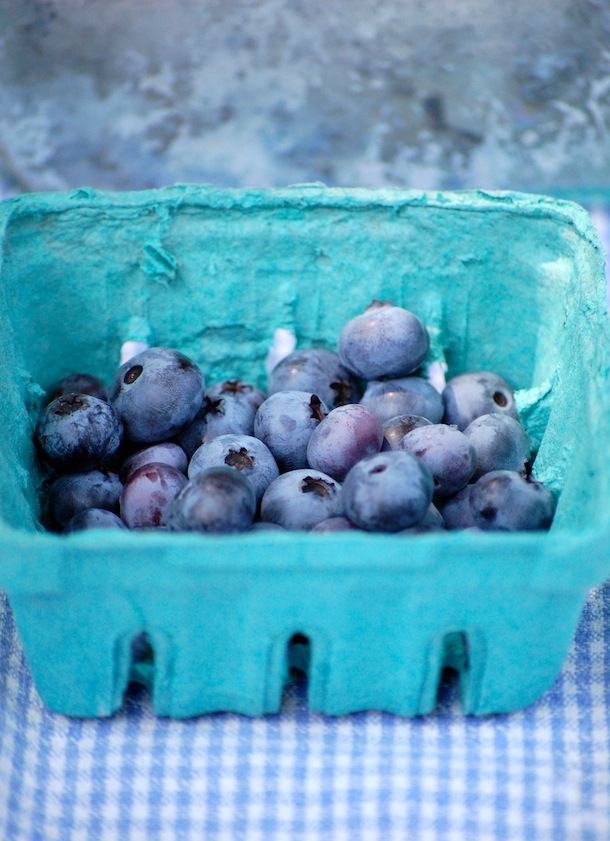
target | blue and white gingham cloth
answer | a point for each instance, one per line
(540, 774)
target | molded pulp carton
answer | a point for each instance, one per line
(507, 282)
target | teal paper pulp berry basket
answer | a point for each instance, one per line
(507, 282)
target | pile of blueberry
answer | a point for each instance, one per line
(352, 440)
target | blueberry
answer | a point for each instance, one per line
(94, 518)
(507, 501)
(501, 443)
(267, 527)
(157, 393)
(432, 521)
(81, 384)
(447, 452)
(315, 370)
(468, 396)
(75, 492)
(404, 396)
(78, 432)
(387, 492)
(237, 390)
(456, 510)
(285, 422)
(245, 453)
(228, 407)
(148, 493)
(334, 524)
(346, 435)
(165, 452)
(225, 414)
(300, 499)
(218, 500)
(385, 341)
(395, 429)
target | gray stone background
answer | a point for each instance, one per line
(445, 94)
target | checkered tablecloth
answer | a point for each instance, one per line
(537, 774)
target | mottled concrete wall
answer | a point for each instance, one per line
(444, 93)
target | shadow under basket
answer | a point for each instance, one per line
(506, 282)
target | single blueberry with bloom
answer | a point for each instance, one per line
(501, 443)
(470, 395)
(156, 393)
(148, 493)
(395, 429)
(165, 452)
(93, 518)
(343, 437)
(503, 500)
(81, 384)
(447, 452)
(384, 341)
(388, 491)
(317, 370)
(285, 423)
(218, 500)
(78, 432)
(404, 396)
(75, 492)
(245, 453)
(300, 499)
